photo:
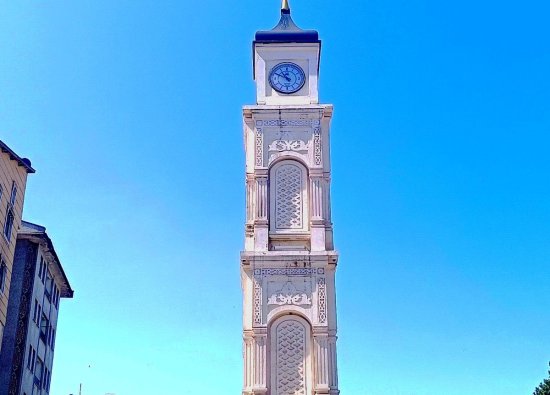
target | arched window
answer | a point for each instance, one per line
(288, 197)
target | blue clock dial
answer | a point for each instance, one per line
(287, 78)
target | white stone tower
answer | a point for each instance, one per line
(289, 262)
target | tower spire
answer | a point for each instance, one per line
(286, 30)
(285, 6)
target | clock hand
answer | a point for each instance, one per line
(284, 76)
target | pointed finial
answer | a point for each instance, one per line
(285, 6)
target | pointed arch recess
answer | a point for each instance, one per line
(290, 356)
(288, 185)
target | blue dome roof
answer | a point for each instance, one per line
(286, 31)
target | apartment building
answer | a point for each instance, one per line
(13, 181)
(38, 284)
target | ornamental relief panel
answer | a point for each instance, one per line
(296, 293)
(257, 300)
(259, 150)
(290, 358)
(322, 300)
(288, 122)
(288, 200)
(317, 146)
(277, 290)
(289, 271)
(289, 143)
(276, 138)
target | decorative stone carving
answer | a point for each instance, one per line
(288, 122)
(298, 299)
(290, 360)
(259, 147)
(257, 302)
(288, 197)
(288, 145)
(317, 146)
(322, 299)
(289, 295)
(289, 271)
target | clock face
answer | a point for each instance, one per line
(287, 78)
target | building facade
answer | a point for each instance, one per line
(13, 181)
(38, 284)
(288, 264)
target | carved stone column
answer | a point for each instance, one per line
(255, 368)
(333, 367)
(248, 352)
(321, 363)
(260, 361)
(261, 222)
(327, 215)
(250, 204)
(317, 193)
(326, 199)
(316, 188)
(261, 198)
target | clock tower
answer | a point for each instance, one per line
(288, 264)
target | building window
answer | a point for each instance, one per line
(46, 377)
(56, 297)
(43, 269)
(35, 315)
(49, 285)
(3, 275)
(38, 372)
(52, 345)
(41, 266)
(29, 356)
(31, 359)
(13, 193)
(8, 225)
(44, 328)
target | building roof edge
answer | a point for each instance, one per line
(26, 163)
(37, 233)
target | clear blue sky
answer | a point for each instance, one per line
(130, 112)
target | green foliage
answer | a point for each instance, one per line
(544, 387)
